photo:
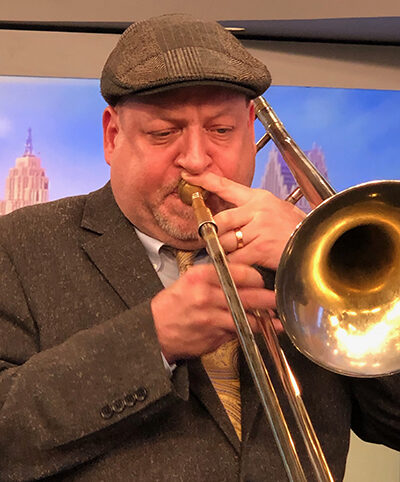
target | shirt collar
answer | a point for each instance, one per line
(152, 247)
(159, 257)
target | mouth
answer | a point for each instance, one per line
(212, 201)
(175, 202)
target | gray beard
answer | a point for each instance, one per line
(173, 230)
(168, 225)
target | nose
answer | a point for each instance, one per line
(193, 156)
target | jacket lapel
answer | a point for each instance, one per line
(250, 399)
(116, 250)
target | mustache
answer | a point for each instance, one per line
(213, 202)
(170, 188)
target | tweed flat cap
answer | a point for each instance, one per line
(177, 50)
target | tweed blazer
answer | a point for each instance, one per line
(84, 394)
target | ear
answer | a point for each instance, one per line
(252, 118)
(111, 128)
(252, 113)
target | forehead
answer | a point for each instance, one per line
(201, 96)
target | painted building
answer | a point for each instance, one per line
(26, 183)
(279, 180)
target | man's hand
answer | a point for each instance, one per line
(192, 316)
(265, 221)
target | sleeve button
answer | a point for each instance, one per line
(130, 400)
(118, 405)
(141, 394)
(106, 412)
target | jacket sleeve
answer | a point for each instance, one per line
(68, 404)
(376, 410)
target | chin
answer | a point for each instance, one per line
(177, 221)
(179, 232)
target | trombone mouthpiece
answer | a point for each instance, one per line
(186, 191)
(194, 196)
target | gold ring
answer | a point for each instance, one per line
(239, 238)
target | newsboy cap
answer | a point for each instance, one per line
(178, 50)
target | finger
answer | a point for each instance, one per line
(256, 299)
(254, 325)
(246, 255)
(277, 325)
(229, 241)
(221, 325)
(243, 275)
(251, 298)
(235, 240)
(233, 218)
(226, 189)
(231, 330)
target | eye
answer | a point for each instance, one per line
(163, 135)
(221, 132)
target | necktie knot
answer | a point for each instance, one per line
(184, 259)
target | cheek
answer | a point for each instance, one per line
(127, 176)
(128, 166)
(138, 178)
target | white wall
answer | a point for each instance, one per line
(126, 10)
(291, 63)
(371, 463)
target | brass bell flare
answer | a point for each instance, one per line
(337, 285)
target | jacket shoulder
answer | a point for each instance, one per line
(41, 221)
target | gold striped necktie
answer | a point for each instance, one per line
(184, 259)
(222, 364)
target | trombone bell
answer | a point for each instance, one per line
(337, 285)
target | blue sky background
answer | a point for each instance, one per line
(359, 130)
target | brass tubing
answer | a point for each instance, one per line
(291, 389)
(295, 196)
(258, 370)
(314, 187)
(261, 143)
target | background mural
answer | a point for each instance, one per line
(51, 144)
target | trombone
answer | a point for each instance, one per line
(338, 308)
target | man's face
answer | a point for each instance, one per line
(149, 141)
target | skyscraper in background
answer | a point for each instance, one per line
(26, 183)
(279, 180)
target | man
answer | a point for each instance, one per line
(102, 342)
